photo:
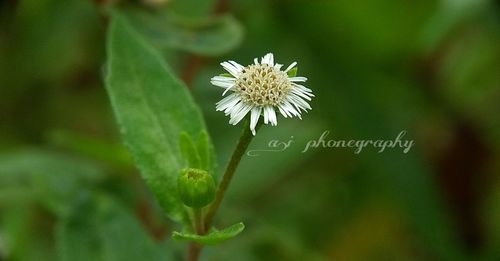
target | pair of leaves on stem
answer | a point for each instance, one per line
(157, 119)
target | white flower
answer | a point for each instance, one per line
(261, 88)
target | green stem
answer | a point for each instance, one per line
(241, 147)
(199, 225)
(194, 250)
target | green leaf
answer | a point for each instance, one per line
(213, 237)
(98, 228)
(77, 234)
(53, 179)
(189, 151)
(204, 148)
(210, 36)
(19, 166)
(123, 237)
(192, 8)
(292, 72)
(152, 108)
(112, 153)
(25, 233)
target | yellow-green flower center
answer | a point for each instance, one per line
(262, 85)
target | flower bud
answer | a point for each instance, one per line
(196, 187)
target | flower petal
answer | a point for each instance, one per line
(283, 111)
(289, 108)
(298, 102)
(297, 79)
(223, 78)
(303, 88)
(268, 59)
(254, 118)
(301, 93)
(223, 84)
(266, 115)
(233, 109)
(227, 102)
(290, 66)
(237, 65)
(239, 115)
(272, 116)
(227, 89)
(232, 69)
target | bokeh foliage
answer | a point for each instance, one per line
(68, 187)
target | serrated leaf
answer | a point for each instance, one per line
(292, 72)
(213, 237)
(205, 36)
(152, 108)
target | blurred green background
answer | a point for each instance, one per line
(69, 191)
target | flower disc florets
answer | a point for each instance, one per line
(262, 88)
(262, 85)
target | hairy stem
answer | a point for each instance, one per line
(202, 225)
(241, 147)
